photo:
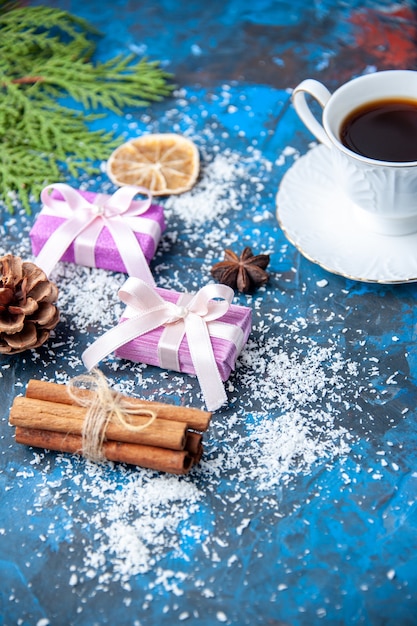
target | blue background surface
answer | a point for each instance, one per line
(331, 540)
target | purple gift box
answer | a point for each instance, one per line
(228, 335)
(150, 224)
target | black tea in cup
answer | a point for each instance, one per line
(385, 130)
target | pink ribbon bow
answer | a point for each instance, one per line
(190, 319)
(86, 220)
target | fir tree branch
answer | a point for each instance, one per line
(45, 56)
(36, 27)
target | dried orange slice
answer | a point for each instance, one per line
(164, 163)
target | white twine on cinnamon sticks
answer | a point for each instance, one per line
(103, 406)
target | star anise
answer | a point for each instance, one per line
(244, 273)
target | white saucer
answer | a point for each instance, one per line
(323, 225)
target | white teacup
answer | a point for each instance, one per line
(384, 192)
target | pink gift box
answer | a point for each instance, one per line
(106, 254)
(236, 325)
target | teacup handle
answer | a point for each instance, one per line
(320, 93)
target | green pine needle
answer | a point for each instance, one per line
(45, 57)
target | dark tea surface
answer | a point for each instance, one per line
(385, 130)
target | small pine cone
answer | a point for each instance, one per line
(27, 309)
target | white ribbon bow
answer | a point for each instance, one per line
(152, 311)
(85, 221)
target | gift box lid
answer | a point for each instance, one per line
(147, 229)
(228, 335)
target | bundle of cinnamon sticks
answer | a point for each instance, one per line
(48, 417)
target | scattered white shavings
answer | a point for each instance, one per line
(291, 444)
(227, 183)
(137, 521)
(15, 227)
(302, 395)
(295, 378)
(88, 296)
(288, 151)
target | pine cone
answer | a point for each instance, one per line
(27, 309)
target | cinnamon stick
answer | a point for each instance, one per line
(193, 442)
(54, 392)
(151, 457)
(66, 418)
